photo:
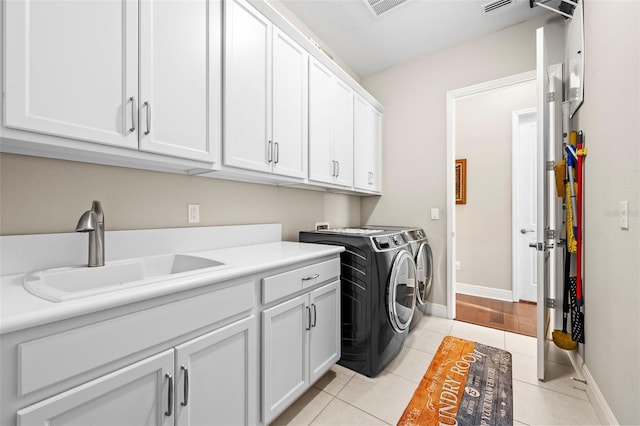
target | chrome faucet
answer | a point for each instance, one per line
(92, 221)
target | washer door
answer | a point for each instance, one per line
(424, 273)
(402, 291)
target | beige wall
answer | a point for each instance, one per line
(414, 128)
(41, 195)
(483, 225)
(610, 118)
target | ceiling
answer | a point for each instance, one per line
(413, 29)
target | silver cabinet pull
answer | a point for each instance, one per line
(308, 318)
(315, 315)
(134, 111)
(148, 106)
(312, 277)
(269, 151)
(333, 168)
(276, 156)
(185, 391)
(169, 411)
(524, 231)
(337, 168)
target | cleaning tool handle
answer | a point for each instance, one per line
(579, 222)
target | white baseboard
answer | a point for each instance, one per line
(436, 310)
(488, 292)
(597, 399)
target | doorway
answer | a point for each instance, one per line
(472, 267)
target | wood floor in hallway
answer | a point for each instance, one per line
(516, 317)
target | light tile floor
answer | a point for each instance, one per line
(343, 397)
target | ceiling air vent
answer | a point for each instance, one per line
(378, 7)
(493, 6)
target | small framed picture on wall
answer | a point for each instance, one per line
(461, 181)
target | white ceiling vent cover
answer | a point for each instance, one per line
(496, 5)
(378, 7)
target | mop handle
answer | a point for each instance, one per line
(579, 222)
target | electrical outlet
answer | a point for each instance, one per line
(458, 266)
(435, 213)
(193, 213)
(623, 218)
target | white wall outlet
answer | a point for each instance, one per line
(322, 225)
(458, 266)
(435, 213)
(623, 217)
(193, 213)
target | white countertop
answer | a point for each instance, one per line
(19, 309)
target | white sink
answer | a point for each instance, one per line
(74, 282)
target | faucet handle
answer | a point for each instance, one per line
(88, 222)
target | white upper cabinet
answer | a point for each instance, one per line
(72, 70)
(367, 147)
(330, 127)
(180, 51)
(265, 95)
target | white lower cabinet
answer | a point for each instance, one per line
(216, 381)
(300, 342)
(135, 395)
(211, 379)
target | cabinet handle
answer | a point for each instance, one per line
(269, 151)
(169, 411)
(134, 110)
(315, 315)
(312, 277)
(185, 390)
(277, 153)
(308, 318)
(148, 105)
(337, 168)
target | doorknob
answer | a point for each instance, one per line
(524, 231)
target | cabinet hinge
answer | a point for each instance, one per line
(549, 302)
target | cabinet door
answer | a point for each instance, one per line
(284, 355)
(71, 68)
(180, 77)
(324, 336)
(343, 132)
(247, 83)
(321, 165)
(367, 146)
(216, 377)
(290, 106)
(135, 395)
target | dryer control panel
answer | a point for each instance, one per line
(389, 242)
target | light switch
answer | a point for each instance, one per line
(623, 217)
(435, 213)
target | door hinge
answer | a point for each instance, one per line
(551, 96)
(550, 234)
(549, 302)
(551, 166)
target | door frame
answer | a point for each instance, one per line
(517, 117)
(452, 97)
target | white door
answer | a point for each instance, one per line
(180, 77)
(525, 169)
(284, 354)
(289, 106)
(324, 336)
(215, 377)
(343, 133)
(247, 83)
(135, 395)
(71, 69)
(549, 80)
(321, 166)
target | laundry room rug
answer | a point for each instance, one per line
(467, 384)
